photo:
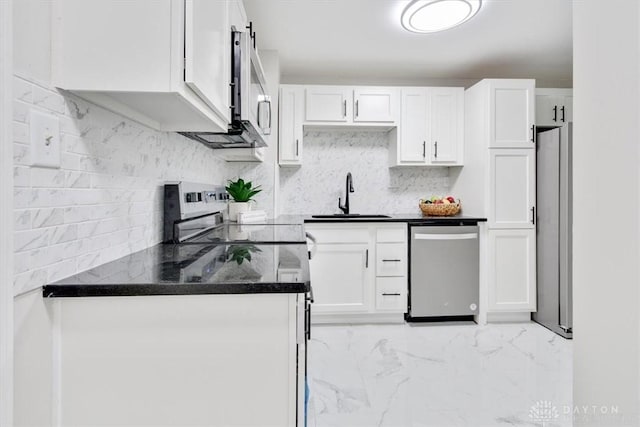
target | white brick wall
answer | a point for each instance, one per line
(106, 199)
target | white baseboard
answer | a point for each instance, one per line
(365, 318)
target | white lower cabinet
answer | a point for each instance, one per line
(511, 270)
(391, 294)
(339, 276)
(358, 271)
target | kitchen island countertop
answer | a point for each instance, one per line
(168, 269)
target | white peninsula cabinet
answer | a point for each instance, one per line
(358, 272)
(163, 63)
(554, 107)
(430, 131)
(498, 181)
(180, 360)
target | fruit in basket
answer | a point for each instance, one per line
(436, 200)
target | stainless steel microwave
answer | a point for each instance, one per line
(250, 103)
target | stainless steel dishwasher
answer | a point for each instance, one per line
(443, 272)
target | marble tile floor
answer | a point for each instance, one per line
(418, 375)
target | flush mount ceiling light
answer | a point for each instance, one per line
(430, 16)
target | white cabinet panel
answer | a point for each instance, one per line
(512, 270)
(512, 114)
(391, 259)
(512, 188)
(328, 104)
(392, 235)
(391, 293)
(291, 131)
(414, 126)
(207, 41)
(375, 105)
(447, 123)
(340, 275)
(194, 358)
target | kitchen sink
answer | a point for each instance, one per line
(350, 216)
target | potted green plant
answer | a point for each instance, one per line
(242, 193)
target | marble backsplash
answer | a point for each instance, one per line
(315, 187)
(105, 201)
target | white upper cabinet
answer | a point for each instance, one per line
(291, 131)
(375, 104)
(414, 129)
(430, 131)
(328, 103)
(447, 125)
(512, 188)
(512, 113)
(511, 283)
(554, 107)
(163, 63)
(349, 105)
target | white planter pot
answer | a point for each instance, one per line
(236, 207)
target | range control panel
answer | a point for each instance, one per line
(185, 200)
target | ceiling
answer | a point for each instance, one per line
(362, 41)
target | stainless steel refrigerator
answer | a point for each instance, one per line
(553, 229)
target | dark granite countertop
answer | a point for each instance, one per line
(168, 269)
(413, 219)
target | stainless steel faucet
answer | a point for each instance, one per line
(348, 189)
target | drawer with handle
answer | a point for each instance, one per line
(391, 293)
(391, 259)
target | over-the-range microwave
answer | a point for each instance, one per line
(250, 103)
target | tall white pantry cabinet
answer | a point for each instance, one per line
(498, 181)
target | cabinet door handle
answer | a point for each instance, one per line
(357, 109)
(424, 149)
(555, 113)
(436, 149)
(533, 134)
(533, 215)
(562, 109)
(344, 111)
(366, 259)
(308, 322)
(391, 260)
(395, 294)
(297, 147)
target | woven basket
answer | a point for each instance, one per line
(433, 209)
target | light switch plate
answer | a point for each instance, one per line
(44, 133)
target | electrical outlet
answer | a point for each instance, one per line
(45, 139)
